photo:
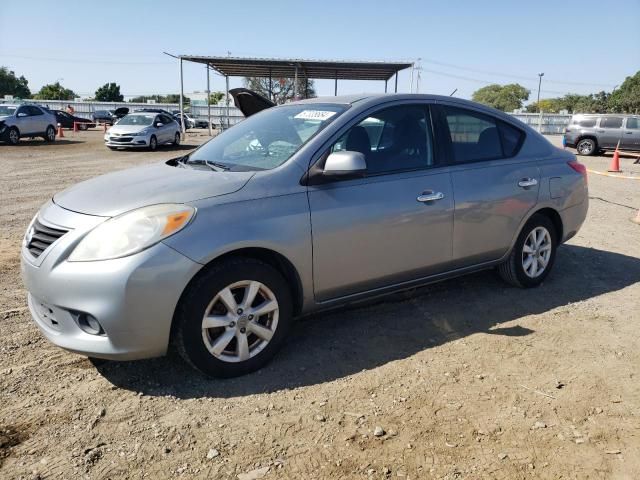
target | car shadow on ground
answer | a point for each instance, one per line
(330, 346)
(41, 143)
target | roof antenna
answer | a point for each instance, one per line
(451, 94)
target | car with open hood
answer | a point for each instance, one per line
(299, 208)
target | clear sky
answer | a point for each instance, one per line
(582, 46)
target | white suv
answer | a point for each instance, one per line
(18, 121)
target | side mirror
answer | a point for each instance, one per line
(345, 164)
(159, 124)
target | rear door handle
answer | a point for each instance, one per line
(430, 196)
(527, 182)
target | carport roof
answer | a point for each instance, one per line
(286, 67)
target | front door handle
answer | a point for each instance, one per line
(527, 182)
(430, 196)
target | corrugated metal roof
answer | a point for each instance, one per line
(285, 67)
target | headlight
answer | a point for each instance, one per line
(132, 232)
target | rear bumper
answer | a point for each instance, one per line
(573, 218)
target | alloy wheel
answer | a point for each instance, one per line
(240, 321)
(585, 147)
(13, 136)
(51, 134)
(536, 252)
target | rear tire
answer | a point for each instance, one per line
(153, 143)
(248, 333)
(176, 140)
(587, 147)
(533, 255)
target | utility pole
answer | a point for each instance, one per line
(540, 75)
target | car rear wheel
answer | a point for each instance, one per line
(233, 319)
(153, 143)
(176, 140)
(533, 255)
(50, 134)
(587, 146)
(13, 137)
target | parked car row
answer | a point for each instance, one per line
(590, 134)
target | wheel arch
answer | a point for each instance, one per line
(276, 260)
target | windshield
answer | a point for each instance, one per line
(142, 120)
(265, 140)
(7, 109)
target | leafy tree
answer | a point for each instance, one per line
(12, 85)
(281, 88)
(109, 92)
(627, 97)
(503, 97)
(216, 97)
(55, 91)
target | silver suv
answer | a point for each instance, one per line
(590, 134)
(299, 208)
(19, 121)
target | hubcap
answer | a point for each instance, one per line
(585, 147)
(13, 136)
(240, 321)
(536, 252)
(51, 133)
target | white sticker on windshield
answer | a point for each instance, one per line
(321, 115)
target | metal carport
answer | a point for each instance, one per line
(291, 68)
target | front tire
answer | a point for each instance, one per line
(50, 134)
(153, 143)
(13, 137)
(234, 318)
(533, 255)
(587, 147)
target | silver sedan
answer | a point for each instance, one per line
(299, 208)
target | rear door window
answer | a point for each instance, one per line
(476, 137)
(633, 123)
(585, 122)
(611, 122)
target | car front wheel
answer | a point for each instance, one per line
(533, 255)
(13, 137)
(50, 134)
(233, 319)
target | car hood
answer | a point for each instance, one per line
(249, 102)
(127, 128)
(119, 192)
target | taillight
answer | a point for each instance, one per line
(580, 168)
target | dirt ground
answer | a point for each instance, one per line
(468, 378)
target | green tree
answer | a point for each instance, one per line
(281, 88)
(109, 92)
(215, 97)
(627, 97)
(503, 97)
(55, 91)
(12, 85)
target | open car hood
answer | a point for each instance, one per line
(121, 111)
(249, 102)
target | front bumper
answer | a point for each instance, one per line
(133, 298)
(126, 141)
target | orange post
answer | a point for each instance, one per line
(75, 126)
(60, 132)
(105, 127)
(615, 161)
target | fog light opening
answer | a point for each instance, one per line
(89, 324)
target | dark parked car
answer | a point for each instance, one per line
(66, 120)
(109, 116)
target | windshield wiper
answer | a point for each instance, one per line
(215, 166)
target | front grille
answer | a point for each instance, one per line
(41, 237)
(121, 139)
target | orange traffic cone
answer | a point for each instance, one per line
(615, 161)
(60, 132)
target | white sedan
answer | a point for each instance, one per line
(143, 130)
